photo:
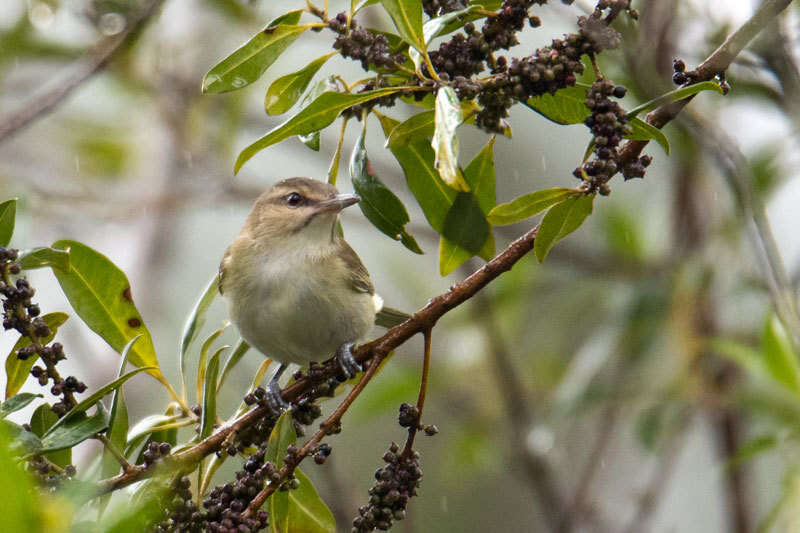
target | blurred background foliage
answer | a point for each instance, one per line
(638, 377)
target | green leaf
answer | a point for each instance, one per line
(325, 84)
(75, 431)
(318, 114)
(561, 220)
(21, 505)
(17, 402)
(674, 95)
(22, 441)
(445, 142)
(416, 159)
(452, 256)
(202, 362)
(307, 512)
(480, 177)
(8, 214)
(750, 449)
(357, 6)
(238, 352)
(465, 224)
(407, 17)
(418, 127)
(17, 370)
(643, 131)
(42, 419)
(284, 92)
(101, 295)
(649, 426)
(378, 203)
(780, 358)
(528, 205)
(251, 60)
(145, 427)
(93, 399)
(209, 414)
(566, 106)
(118, 423)
(44, 257)
(450, 22)
(195, 321)
(283, 434)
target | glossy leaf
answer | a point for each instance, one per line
(416, 160)
(465, 224)
(419, 127)
(21, 505)
(450, 22)
(8, 215)
(318, 114)
(202, 362)
(209, 414)
(307, 511)
(17, 402)
(118, 423)
(101, 295)
(528, 205)
(407, 18)
(452, 256)
(780, 359)
(17, 370)
(480, 177)
(238, 352)
(195, 321)
(675, 95)
(445, 142)
(561, 220)
(44, 257)
(77, 430)
(378, 203)
(251, 60)
(643, 131)
(566, 106)
(93, 399)
(146, 427)
(284, 92)
(325, 84)
(356, 6)
(43, 419)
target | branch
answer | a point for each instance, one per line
(94, 61)
(715, 65)
(421, 321)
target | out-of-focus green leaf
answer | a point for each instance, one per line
(623, 235)
(75, 431)
(101, 295)
(93, 399)
(284, 92)
(407, 17)
(528, 205)
(416, 159)
(480, 177)
(17, 370)
(445, 142)
(118, 423)
(649, 426)
(378, 203)
(465, 224)
(674, 95)
(561, 220)
(643, 131)
(318, 114)
(780, 358)
(203, 362)
(752, 448)
(566, 106)
(238, 352)
(251, 60)
(209, 414)
(44, 257)
(8, 215)
(21, 505)
(43, 419)
(139, 513)
(17, 402)
(195, 321)
(21, 440)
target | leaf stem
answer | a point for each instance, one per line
(333, 170)
(113, 450)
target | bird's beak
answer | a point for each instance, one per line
(337, 203)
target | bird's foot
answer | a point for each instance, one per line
(275, 401)
(348, 363)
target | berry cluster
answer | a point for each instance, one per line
(155, 451)
(48, 474)
(395, 484)
(679, 68)
(435, 8)
(184, 516)
(385, 101)
(226, 504)
(363, 45)
(22, 315)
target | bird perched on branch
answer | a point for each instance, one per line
(296, 290)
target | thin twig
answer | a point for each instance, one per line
(83, 69)
(408, 450)
(119, 456)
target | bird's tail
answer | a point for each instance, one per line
(389, 318)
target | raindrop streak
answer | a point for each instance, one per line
(112, 23)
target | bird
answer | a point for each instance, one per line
(295, 289)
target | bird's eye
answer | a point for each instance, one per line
(294, 199)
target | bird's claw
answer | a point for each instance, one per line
(348, 363)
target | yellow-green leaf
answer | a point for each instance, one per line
(528, 205)
(407, 18)
(17, 370)
(284, 92)
(561, 220)
(8, 214)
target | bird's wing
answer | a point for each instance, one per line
(221, 274)
(358, 275)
